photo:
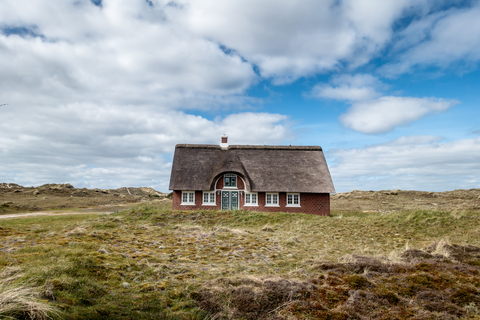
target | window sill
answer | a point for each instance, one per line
(250, 205)
(209, 204)
(187, 204)
(272, 205)
(230, 188)
(292, 206)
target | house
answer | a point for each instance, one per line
(247, 177)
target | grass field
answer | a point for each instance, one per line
(151, 263)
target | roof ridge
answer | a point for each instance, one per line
(251, 147)
(269, 147)
(198, 146)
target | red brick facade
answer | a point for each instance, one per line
(313, 203)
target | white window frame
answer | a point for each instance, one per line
(249, 196)
(272, 196)
(294, 196)
(190, 200)
(209, 201)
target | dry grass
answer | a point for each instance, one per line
(21, 300)
(456, 201)
(420, 285)
(154, 263)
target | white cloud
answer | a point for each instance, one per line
(124, 52)
(439, 40)
(372, 113)
(176, 44)
(103, 94)
(288, 40)
(114, 146)
(385, 113)
(349, 87)
(409, 163)
(373, 19)
(94, 94)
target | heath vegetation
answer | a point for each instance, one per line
(368, 261)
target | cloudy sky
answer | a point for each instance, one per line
(98, 92)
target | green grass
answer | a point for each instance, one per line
(145, 263)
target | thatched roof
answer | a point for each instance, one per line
(264, 168)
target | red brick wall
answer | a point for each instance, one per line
(219, 184)
(313, 203)
(177, 200)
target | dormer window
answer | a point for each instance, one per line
(230, 181)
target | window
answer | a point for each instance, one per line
(230, 180)
(293, 200)
(271, 200)
(251, 199)
(188, 197)
(209, 198)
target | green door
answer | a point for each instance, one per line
(225, 200)
(229, 200)
(234, 200)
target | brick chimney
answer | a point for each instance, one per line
(224, 143)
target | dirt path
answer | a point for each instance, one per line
(46, 214)
(107, 209)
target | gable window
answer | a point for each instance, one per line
(251, 199)
(271, 200)
(209, 198)
(188, 197)
(230, 181)
(293, 199)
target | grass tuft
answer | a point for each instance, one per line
(21, 300)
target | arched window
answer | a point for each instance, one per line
(230, 181)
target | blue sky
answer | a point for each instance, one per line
(99, 92)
